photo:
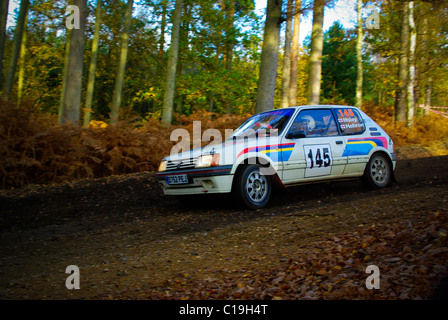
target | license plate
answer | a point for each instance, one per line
(177, 179)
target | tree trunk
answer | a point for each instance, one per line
(286, 76)
(170, 83)
(359, 70)
(22, 66)
(424, 67)
(230, 8)
(71, 109)
(18, 35)
(295, 54)
(92, 68)
(428, 94)
(269, 57)
(118, 88)
(412, 43)
(317, 40)
(162, 29)
(400, 111)
(211, 105)
(3, 19)
(64, 75)
(229, 40)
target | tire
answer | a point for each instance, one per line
(252, 188)
(378, 172)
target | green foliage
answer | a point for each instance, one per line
(207, 31)
(219, 56)
(431, 56)
(339, 65)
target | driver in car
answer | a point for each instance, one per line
(305, 123)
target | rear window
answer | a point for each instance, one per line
(350, 121)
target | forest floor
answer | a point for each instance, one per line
(311, 242)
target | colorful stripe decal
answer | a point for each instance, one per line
(277, 152)
(362, 146)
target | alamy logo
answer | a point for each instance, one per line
(373, 281)
(72, 281)
(373, 20)
(72, 21)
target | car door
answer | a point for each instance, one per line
(318, 147)
(358, 141)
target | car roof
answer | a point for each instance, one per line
(317, 106)
(312, 106)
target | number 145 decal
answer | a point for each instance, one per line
(318, 160)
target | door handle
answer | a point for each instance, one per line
(339, 142)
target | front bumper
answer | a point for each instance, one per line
(200, 180)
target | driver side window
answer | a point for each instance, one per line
(315, 123)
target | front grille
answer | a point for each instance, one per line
(181, 164)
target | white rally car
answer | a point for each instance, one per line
(287, 147)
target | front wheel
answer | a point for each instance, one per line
(378, 173)
(252, 187)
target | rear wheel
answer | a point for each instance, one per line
(253, 188)
(378, 173)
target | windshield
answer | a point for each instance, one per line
(269, 123)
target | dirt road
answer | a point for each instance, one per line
(131, 242)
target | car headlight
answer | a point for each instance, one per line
(210, 160)
(162, 166)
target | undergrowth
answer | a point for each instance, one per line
(430, 132)
(34, 149)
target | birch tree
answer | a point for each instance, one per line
(411, 80)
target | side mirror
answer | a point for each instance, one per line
(296, 134)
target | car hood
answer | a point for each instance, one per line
(231, 148)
